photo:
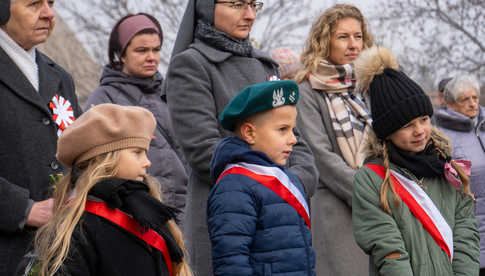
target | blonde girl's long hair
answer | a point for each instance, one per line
(317, 45)
(378, 148)
(52, 241)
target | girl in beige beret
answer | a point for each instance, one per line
(108, 218)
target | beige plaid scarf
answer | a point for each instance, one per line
(350, 118)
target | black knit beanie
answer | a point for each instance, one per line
(395, 101)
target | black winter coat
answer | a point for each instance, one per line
(28, 143)
(103, 248)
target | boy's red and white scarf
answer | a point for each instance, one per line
(277, 181)
(422, 208)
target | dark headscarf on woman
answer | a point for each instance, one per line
(197, 22)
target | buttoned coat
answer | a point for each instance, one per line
(200, 81)
(336, 251)
(28, 143)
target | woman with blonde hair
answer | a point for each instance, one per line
(334, 120)
(412, 210)
(108, 218)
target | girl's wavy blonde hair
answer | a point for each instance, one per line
(317, 46)
(53, 240)
(377, 148)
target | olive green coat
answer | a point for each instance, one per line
(380, 234)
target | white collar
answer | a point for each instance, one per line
(25, 60)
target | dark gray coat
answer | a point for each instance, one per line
(200, 82)
(168, 163)
(336, 252)
(28, 144)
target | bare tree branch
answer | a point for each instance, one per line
(436, 38)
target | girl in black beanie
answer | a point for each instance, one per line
(412, 207)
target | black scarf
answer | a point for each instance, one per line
(426, 163)
(222, 41)
(132, 197)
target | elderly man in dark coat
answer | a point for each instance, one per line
(211, 62)
(37, 102)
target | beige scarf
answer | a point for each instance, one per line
(350, 118)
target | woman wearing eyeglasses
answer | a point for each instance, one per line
(212, 61)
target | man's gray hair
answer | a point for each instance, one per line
(459, 85)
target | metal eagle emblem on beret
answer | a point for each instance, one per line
(278, 97)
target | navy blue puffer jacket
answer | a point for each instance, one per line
(253, 230)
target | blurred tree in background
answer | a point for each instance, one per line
(433, 39)
(92, 21)
(281, 23)
(436, 38)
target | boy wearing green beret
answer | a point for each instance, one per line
(257, 214)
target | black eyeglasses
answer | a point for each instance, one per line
(242, 5)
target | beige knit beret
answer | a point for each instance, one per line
(105, 128)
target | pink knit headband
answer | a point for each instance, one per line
(131, 26)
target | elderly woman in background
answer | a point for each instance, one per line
(132, 78)
(463, 120)
(335, 122)
(212, 61)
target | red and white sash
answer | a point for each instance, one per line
(277, 181)
(422, 208)
(131, 225)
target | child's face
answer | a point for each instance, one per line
(273, 133)
(133, 164)
(414, 136)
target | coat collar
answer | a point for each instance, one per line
(49, 77)
(448, 118)
(217, 56)
(13, 78)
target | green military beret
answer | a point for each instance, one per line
(257, 98)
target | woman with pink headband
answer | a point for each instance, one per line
(132, 78)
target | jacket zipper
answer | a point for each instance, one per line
(477, 128)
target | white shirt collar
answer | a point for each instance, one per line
(25, 60)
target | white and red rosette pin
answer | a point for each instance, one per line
(62, 113)
(273, 78)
